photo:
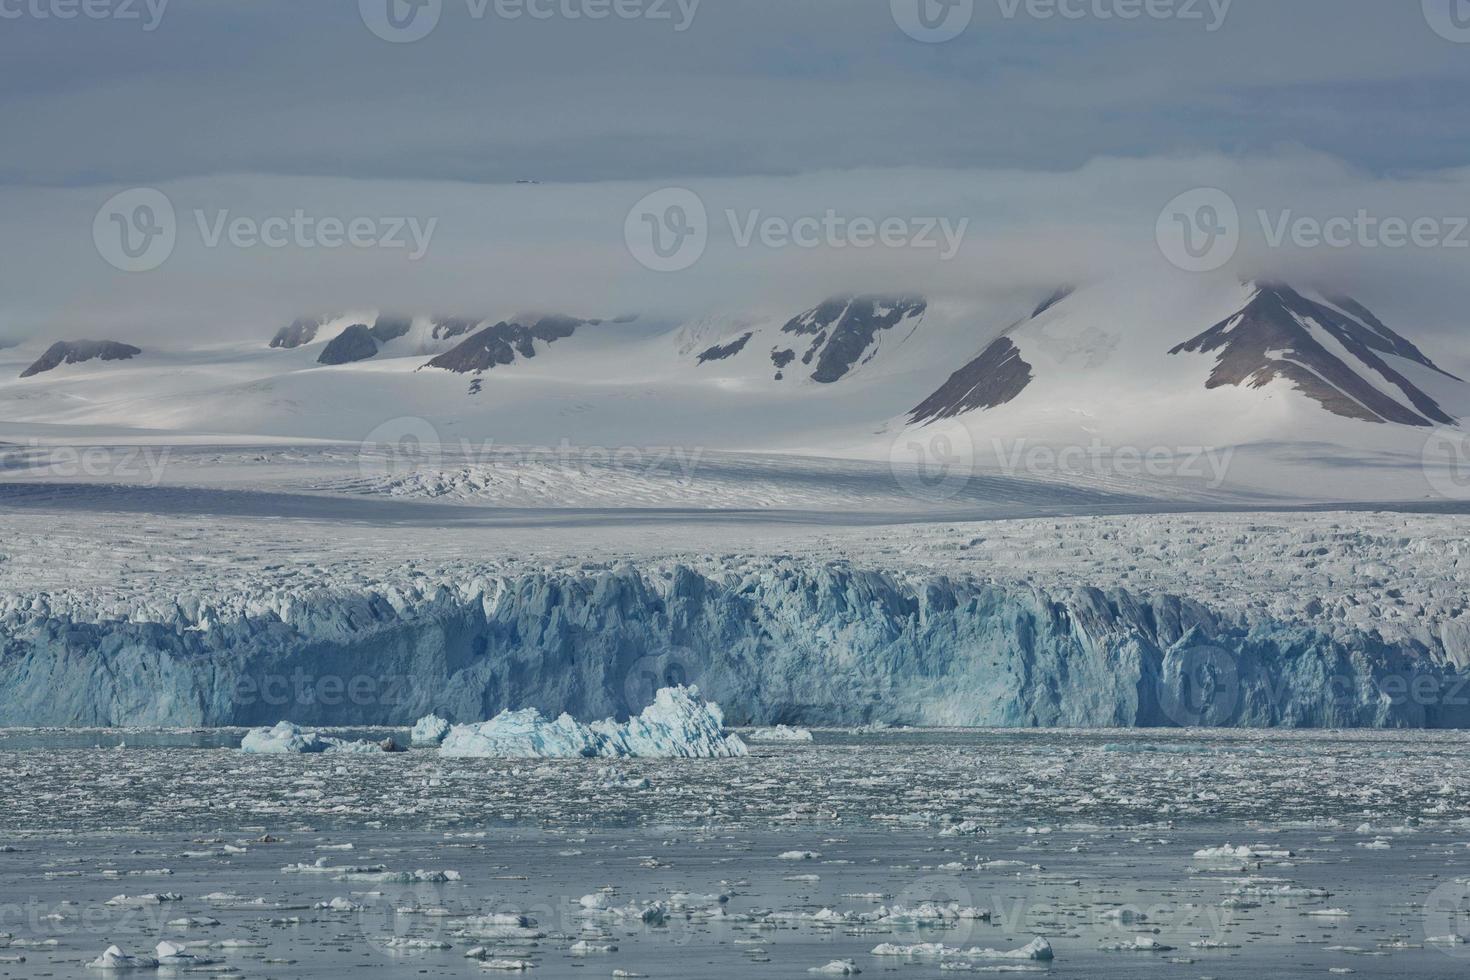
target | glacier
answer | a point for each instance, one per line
(676, 725)
(1300, 621)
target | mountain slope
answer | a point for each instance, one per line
(1333, 356)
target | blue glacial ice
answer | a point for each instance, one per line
(1310, 621)
(676, 725)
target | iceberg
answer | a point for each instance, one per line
(288, 739)
(676, 725)
(781, 733)
(115, 959)
(429, 730)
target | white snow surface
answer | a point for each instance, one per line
(676, 725)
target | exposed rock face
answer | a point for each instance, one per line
(78, 351)
(843, 331)
(387, 328)
(298, 334)
(721, 351)
(994, 378)
(798, 642)
(504, 342)
(356, 343)
(1332, 355)
(449, 327)
(1051, 301)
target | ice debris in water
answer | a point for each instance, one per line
(781, 733)
(287, 738)
(676, 725)
(166, 954)
(1036, 949)
(429, 730)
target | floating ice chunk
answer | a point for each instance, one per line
(193, 922)
(798, 856)
(136, 901)
(583, 947)
(1036, 949)
(839, 968)
(285, 738)
(407, 942)
(1138, 944)
(115, 959)
(176, 954)
(676, 725)
(289, 739)
(340, 904)
(781, 733)
(429, 730)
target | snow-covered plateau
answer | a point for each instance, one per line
(1260, 619)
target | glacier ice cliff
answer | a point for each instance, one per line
(776, 640)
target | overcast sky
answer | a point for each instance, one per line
(1059, 138)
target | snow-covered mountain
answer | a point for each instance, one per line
(1280, 372)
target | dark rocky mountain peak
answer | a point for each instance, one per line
(844, 331)
(506, 341)
(1333, 354)
(77, 351)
